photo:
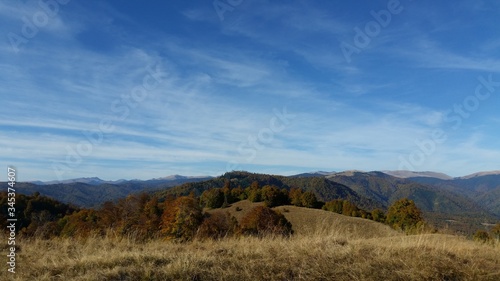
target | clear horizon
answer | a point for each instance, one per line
(145, 90)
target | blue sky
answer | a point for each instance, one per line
(145, 89)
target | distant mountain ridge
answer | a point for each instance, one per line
(481, 174)
(429, 174)
(91, 181)
(411, 174)
(98, 181)
(92, 192)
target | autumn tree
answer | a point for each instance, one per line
(335, 206)
(151, 218)
(262, 221)
(226, 190)
(130, 220)
(308, 199)
(217, 225)
(181, 218)
(378, 215)
(345, 207)
(80, 224)
(254, 192)
(272, 196)
(212, 198)
(285, 195)
(295, 196)
(238, 194)
(36, 215)
(110, 215)
(350, 209)
(404, 214)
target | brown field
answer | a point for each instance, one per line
(326, 246)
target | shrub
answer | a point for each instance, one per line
(262, 221)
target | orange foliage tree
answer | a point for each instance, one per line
(181, 218)
(295, 196)
(262, 221)
(217, 225)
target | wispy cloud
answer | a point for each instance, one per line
(221, 83)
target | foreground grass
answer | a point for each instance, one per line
(303, 257)
(326, 246)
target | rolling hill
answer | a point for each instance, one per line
(306, 221)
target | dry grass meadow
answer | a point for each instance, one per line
(326, 246)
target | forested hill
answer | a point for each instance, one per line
(443, 202)
(324, 189)
(481, 189)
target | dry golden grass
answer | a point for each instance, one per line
(337, 251)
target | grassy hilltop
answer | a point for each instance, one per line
(325, 246)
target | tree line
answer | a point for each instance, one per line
(139, 216)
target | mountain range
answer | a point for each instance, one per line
(92, 192)
(460, 203)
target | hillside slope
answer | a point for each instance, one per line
(306, 221)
